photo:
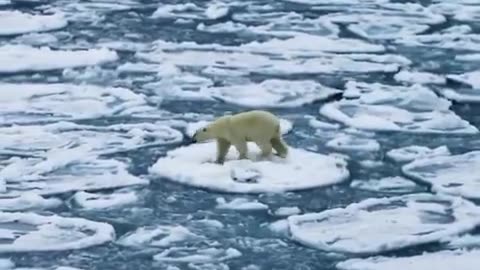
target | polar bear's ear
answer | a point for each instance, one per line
(204, 129)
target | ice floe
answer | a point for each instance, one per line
(412, 152)
(24, 58)
(471, 93)
(454, 39)
(378, 225)
(216, 10)
(28, 201)
(28, 102)
(273, 93)
(16, 22)
(286, 211)
(197, 255)
(351, 143)
(301, 170)
(65, 170)
(441, 260)
(449, 174)
(419, 77)
(240, 204)
(396, 184)
(27, 232)
(94, 201)
(158, 236)
(37, 139)
(414, 109)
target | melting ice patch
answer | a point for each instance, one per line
(379, 225)
(454, 39)
(273, 93)
(27, 232)
(442, 260)
(27, 102)
(454, 175)
(394, 184)
(94, 201)
(36, 140)
(24, 58)
(197, 255)
(470, 94)
(240, 204)
(351, 143)
(414, 109)
(419, 77)
(299, 171)
(16, 22)
(27, 201)
(412, 152)
(158, 236)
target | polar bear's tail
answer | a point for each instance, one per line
(279, 144)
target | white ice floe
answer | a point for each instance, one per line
(16, 22)
(454, 40)
(197, 255)
(338, 3)
(472, 57)
(273, 93)
(412, 152)
(352, 143)
(37, 139)
(286, 211)
(419, 77)
(301, 170)
(471, 79)
(378, 225)
(467, 94)
(27, 232)
(216, 10)
(441, 260)
(5, 2)
(95, 201)
(240, 204)
(179, 11)
(454, 174)
(23, 58)
(65, 170)
(463, 241)
(29, 102)
(158, 236)
(415, 109)
(396, 184)
(28, 201)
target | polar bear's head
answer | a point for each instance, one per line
(203, 134)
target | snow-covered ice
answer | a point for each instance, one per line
(419, 77)
(455, 175)
(352, 143)
(16, 22)
(94, 201)
(378, 225)
(197, 255)
(27, 232)
(27, 201)
(441, 260)
(412, 152)
(301, 170)
(24, 58)
(414, 109)
(29, 102)
(240, 204)
(395, 184)
(470, 93)
(158, 236)
(286, 211)
(273, 93)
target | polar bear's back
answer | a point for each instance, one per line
(255, 125)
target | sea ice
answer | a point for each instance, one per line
(464, 94)
(27, 201)
(287, 211)
(158, 236)
(273, 93)
(471, 79)
(28, 232)
(197, 255)
(441, 260)
(24, 58)
(453, 40)
(240, 204)
(396, 184)
(37, 139)
(216, 11)
(455, 175)
(351, 143)
(16, 22)
(384, 224)
(414, 109)
(412, 152)
(28, 102)
(414, 77)
(299, 171)
(94, 201)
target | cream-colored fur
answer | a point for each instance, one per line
(257, 126)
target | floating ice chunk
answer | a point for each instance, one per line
(448, 174)
(5, 2)
(6, 264)
(337, 3)
(394, 184)
(287, 211)
(279, 226)
(273, 93)
(216, 11)
(379, 225)
(194, 255)
(23, 58)
(299, 171)
(473, 57)
(65, 171)
(322, 125)
(471, 78)
(413, 109)
(464, 95)
(184, 11)
(16, 22)
(463, 241)
(26, 102)
(352, 143)
(240, 204)
(446, 40)
(94, 201)
(158, 236)
(36, 39)
(35, 140)
(28, 201)
(442, 260)
(29, 232)
(410, 153)
(419, 77)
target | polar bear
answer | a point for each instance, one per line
(260, 127)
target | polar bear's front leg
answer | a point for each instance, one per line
(222, 150)
(242, 148)
(266, 148)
